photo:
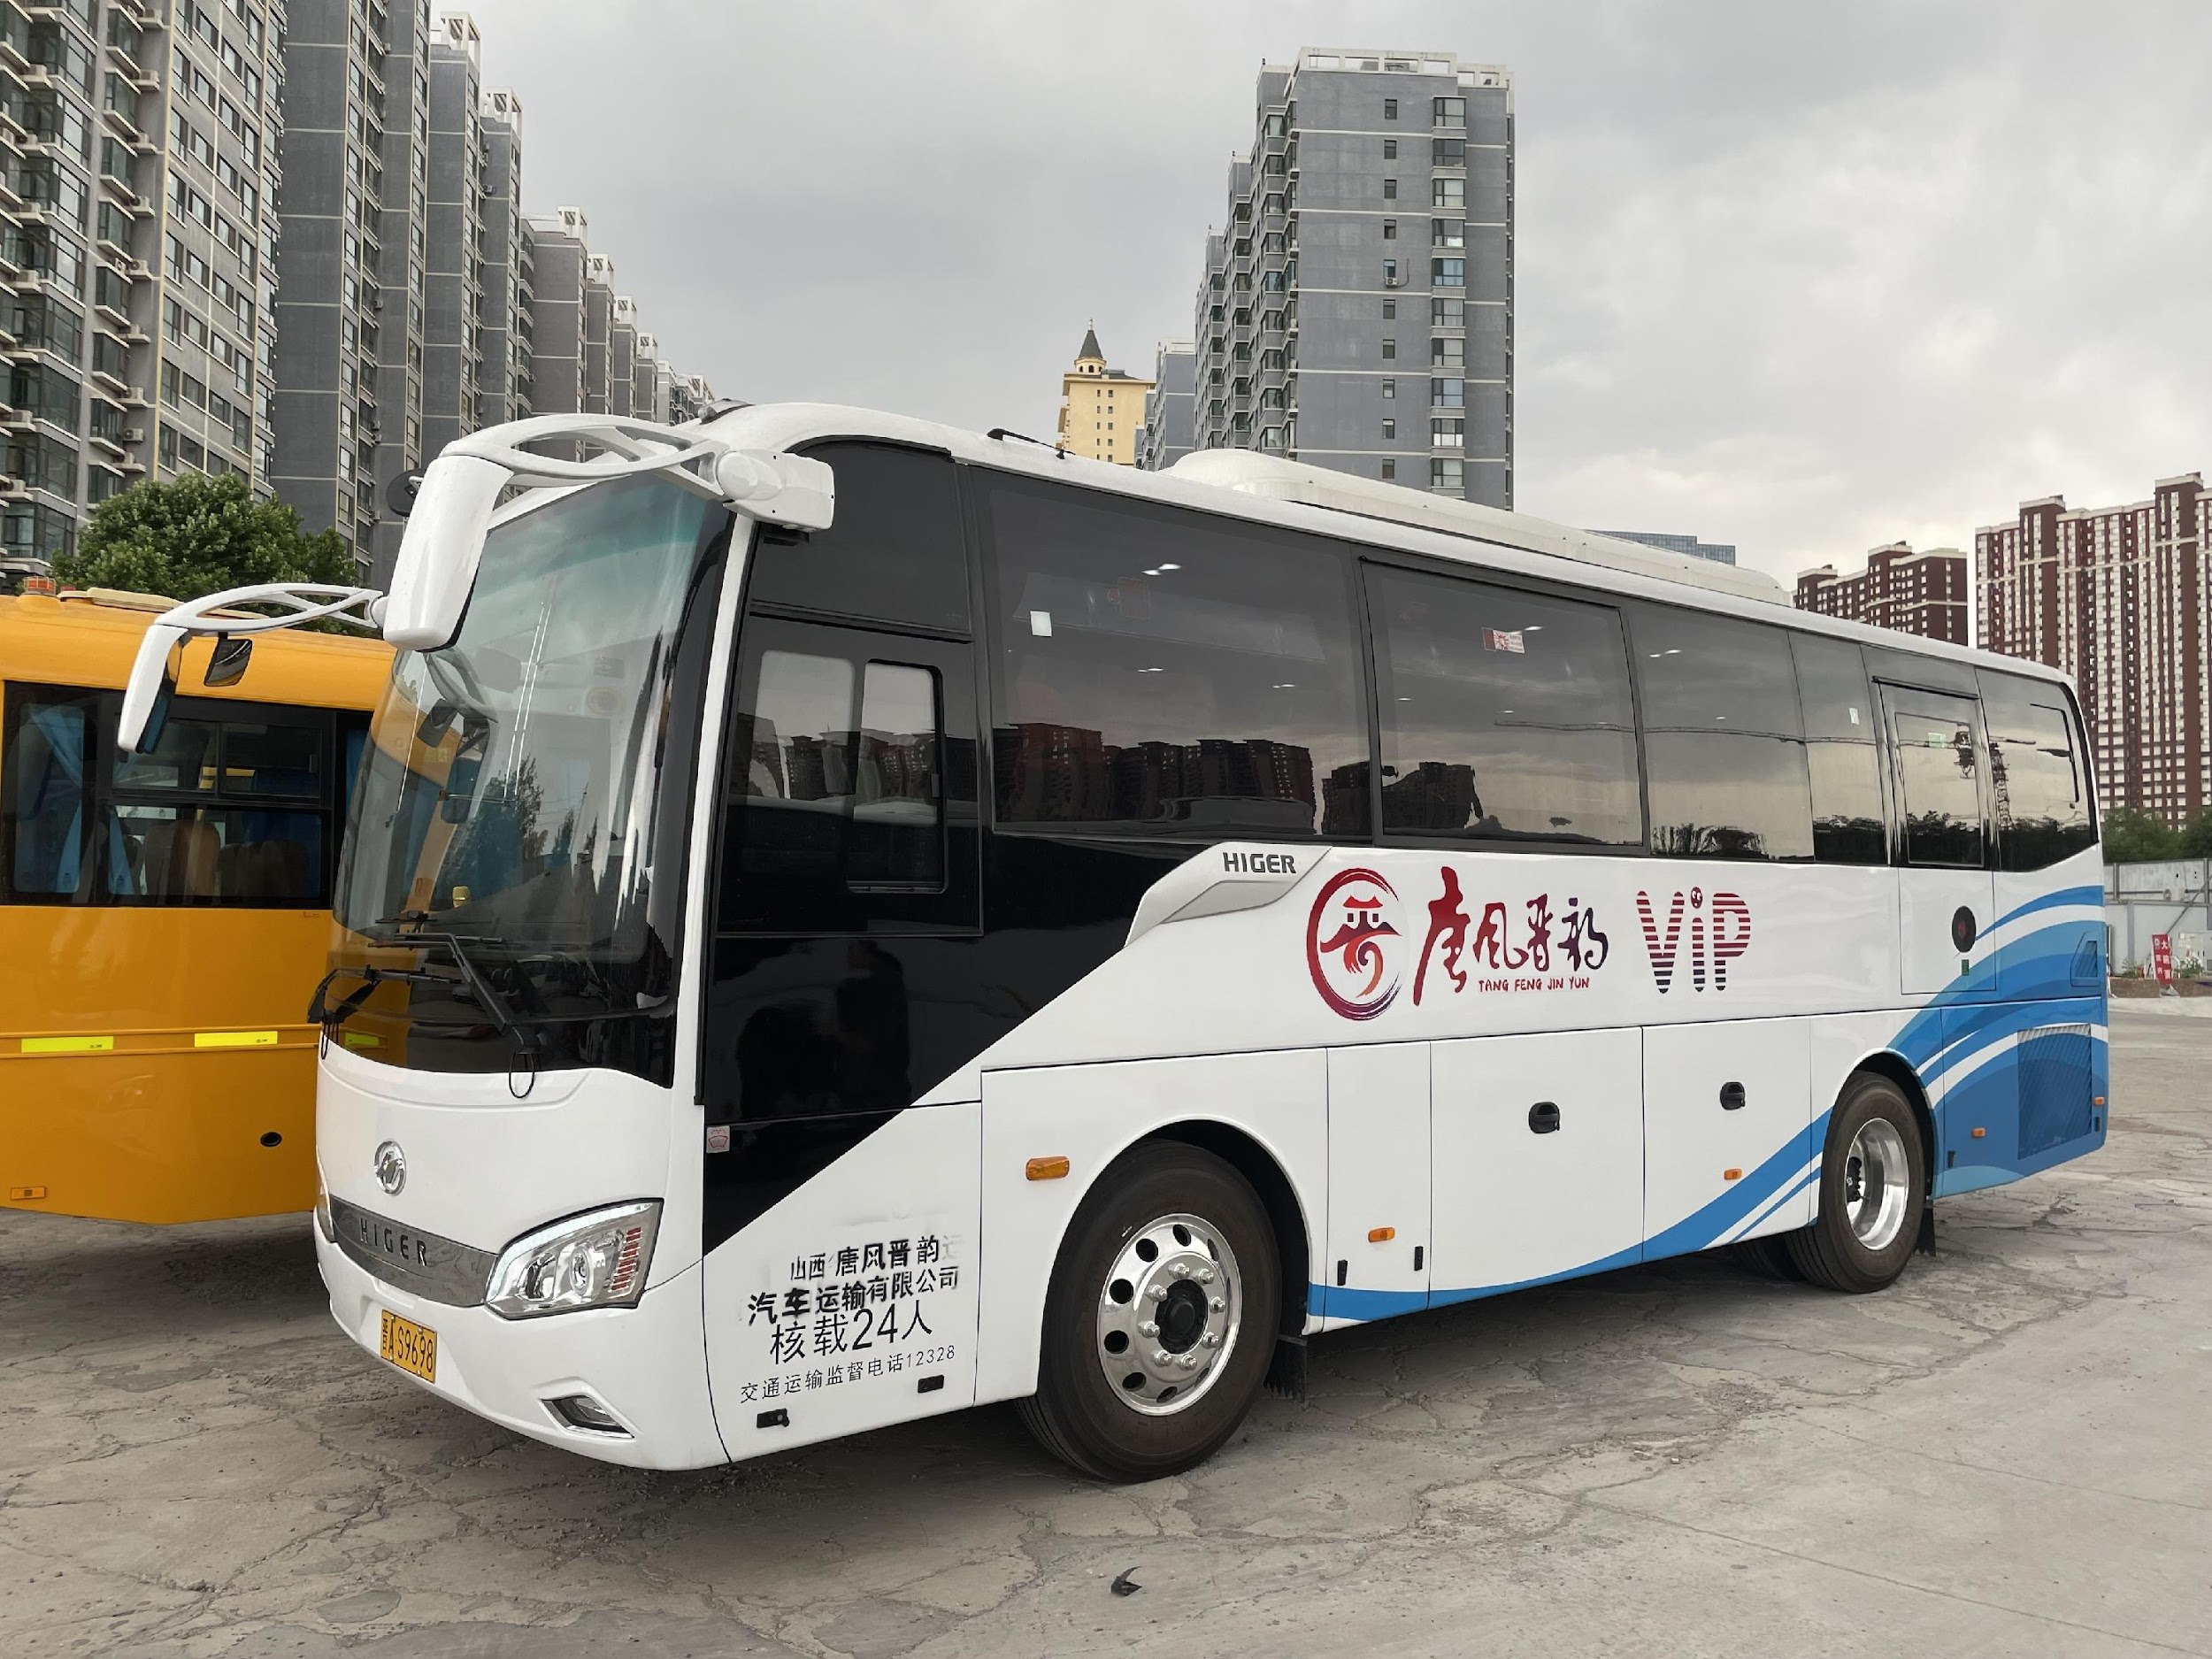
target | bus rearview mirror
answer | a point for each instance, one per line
(227, 663)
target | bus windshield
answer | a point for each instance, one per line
(512, 797)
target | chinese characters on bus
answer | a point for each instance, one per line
(862, 1311)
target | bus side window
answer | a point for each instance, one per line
(1161, 673)
(1939, 771)
(836, 782)
(43, 796)
(1505, 714)
(894, 553)
(2036, 774)
(1723, 743)
(1842, 751)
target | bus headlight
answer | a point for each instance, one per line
(597, 1260)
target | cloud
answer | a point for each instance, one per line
(1804, 279)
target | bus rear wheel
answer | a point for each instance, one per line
(1873, 1190)
(1160, 1321)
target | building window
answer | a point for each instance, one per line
(1447, 476)
(1390, 109)
(1390, 428)
(1447, 193)
(1390, 310)
(1389, 349)
(1390, 230)
(1389, 472)
(1447, 233)
(1447, 435)
(1390, 271)
(1390, 389)
(1390, 149)
(1449, 352)
(1447, 273)
(1390, 190)
(1448, 313)
(1449, 112)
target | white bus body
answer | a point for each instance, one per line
(1019, 929)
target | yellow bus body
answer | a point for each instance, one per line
(155, 1065)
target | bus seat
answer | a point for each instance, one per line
(181, 859)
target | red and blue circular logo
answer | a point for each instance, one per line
(1355, 949)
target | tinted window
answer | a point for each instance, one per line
(1842, 751)
(231, 806)
(1155, 672)
(45, 799)
(1505, 715)
(1939, 771)
(1722, 744)
(2040, 800)
(894, 551)
(836, 779)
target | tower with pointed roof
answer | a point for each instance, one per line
(1100, 409)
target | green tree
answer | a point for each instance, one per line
(2134, 837)
(2196, 837)
(198, 535)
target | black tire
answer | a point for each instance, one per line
(1078, 1413)
(1768, 1255)
(1875, 1117)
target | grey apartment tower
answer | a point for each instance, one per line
(1356, 308)
(137, 185)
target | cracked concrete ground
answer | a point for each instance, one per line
(2010, 1452)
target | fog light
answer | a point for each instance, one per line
(581, 1412)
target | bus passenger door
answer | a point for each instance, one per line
(1539, 1158)
(1378, 1259)
(1939, 763)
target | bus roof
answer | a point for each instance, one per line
(89, 639)
(1268, 490)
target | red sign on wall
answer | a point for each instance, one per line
(2162, 957)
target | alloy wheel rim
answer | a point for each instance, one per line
(1875, 1184)
(1169, 1312)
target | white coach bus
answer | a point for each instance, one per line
(845, 919)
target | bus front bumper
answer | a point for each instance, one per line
(646, 1365)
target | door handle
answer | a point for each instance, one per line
(1732, 1097)
(1543, 1117)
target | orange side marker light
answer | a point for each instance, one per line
(1979, 1133)
(1731, 1175)
(1045, 1169)
(1381, 1235)
(17, 1194)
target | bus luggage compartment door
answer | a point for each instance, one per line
(1539, 1158)
(1378, 1258)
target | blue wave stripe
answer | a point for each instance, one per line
(2051, 901)
(1976, 1027)
(2042, 957)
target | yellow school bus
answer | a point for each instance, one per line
(165, 915)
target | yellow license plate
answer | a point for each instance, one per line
(411, 1347)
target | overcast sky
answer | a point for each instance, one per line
(1808, 279)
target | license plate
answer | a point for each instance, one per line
(411, 1347)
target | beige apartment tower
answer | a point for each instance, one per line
(1100, 409)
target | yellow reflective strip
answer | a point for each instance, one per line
(361, 1039)
(67, 1045)
(234, 1038)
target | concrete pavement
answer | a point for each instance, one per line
(2010, 1452)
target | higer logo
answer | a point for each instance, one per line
(1355, 949)
(1711, 935)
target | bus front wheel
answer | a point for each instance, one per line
(1873, 1189)
(1161, 1316)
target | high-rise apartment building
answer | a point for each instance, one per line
(137, 185)
(1170, 407)
(1100, 409)
(1922, 593)
(1356, 308)
(455, 201)
(558, 252)
(1688, 545)
(502, 385)
(2120, 598)
(589, 352)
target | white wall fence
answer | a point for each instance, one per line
(2168, 895)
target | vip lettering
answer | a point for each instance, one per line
(1709, 936)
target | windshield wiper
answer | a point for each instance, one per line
(487, 995)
